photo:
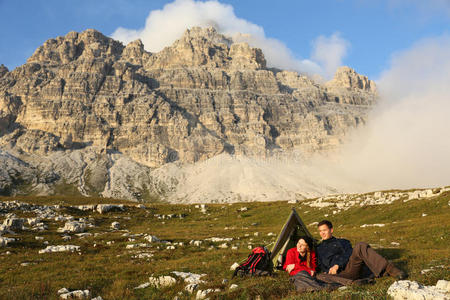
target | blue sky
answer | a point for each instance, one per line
(374, 30)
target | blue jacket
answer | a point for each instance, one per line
(333, 252)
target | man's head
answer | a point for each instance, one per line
(325, 229)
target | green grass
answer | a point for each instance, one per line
(111, 272)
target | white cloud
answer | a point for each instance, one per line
(164, 26)
(329, 53)
(406, 141)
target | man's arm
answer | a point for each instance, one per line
(321, 265)
(342, 259)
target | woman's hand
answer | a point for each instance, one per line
(290, 267)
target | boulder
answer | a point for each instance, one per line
(190, 277)
(4, 241)
(73, 227)
(406, 289)
(14, 223)
(115, 225)
(152, 238)
(103, 208)
(78, 294)
(60, 248)
(162, 281)
(190, 288)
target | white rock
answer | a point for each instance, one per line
(217, 239)
(83, 234)
(115, 225)
(85, 207)
(190, 277)
(66, 237)
(395, 244)
(234, 266)
(79, 294)
(195, 243)
(38, 238)
(223, 246)
(372, 225)
(63, 291)
(142, 286)
(33, 221)
(162, 281)
(201, 294)
(97, 298)
(271, 234)
(61, 248)
(4, 241)
(14, 223)
(233, 286)
(443, 285)
(406, 289)
(103, 208)
(152, 238)
(191, 287)
(170, 248)
(73, 227)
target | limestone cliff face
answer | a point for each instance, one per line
(200, 97)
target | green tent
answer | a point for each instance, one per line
(288, 238)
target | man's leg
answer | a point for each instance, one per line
(364, 254)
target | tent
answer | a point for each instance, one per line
(288, 237)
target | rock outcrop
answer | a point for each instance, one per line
(84, 102)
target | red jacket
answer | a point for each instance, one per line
(292, 257)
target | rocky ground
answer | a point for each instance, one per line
(94, 248)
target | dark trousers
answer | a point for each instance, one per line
(362, 256)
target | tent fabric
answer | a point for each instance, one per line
(288, 237)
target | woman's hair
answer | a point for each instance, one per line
(309, 245)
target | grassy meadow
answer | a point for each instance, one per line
(420, 227)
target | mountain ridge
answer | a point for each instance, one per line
(200, 97)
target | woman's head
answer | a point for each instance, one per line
(304, 244)
(304, 247)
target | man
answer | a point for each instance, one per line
(337, 258)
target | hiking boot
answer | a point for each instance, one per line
(395, 272)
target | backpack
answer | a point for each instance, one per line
(258, 263)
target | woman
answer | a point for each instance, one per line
(301, 258)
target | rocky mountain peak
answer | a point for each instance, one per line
(85, 45)
(346, 77)
(3, 70)
(205, 47)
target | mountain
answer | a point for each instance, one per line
(85, 111)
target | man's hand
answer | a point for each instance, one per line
(333, 269)
(290, 267)
(313, 273)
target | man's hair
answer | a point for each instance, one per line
(325, 222)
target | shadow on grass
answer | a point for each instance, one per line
(390, 253)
